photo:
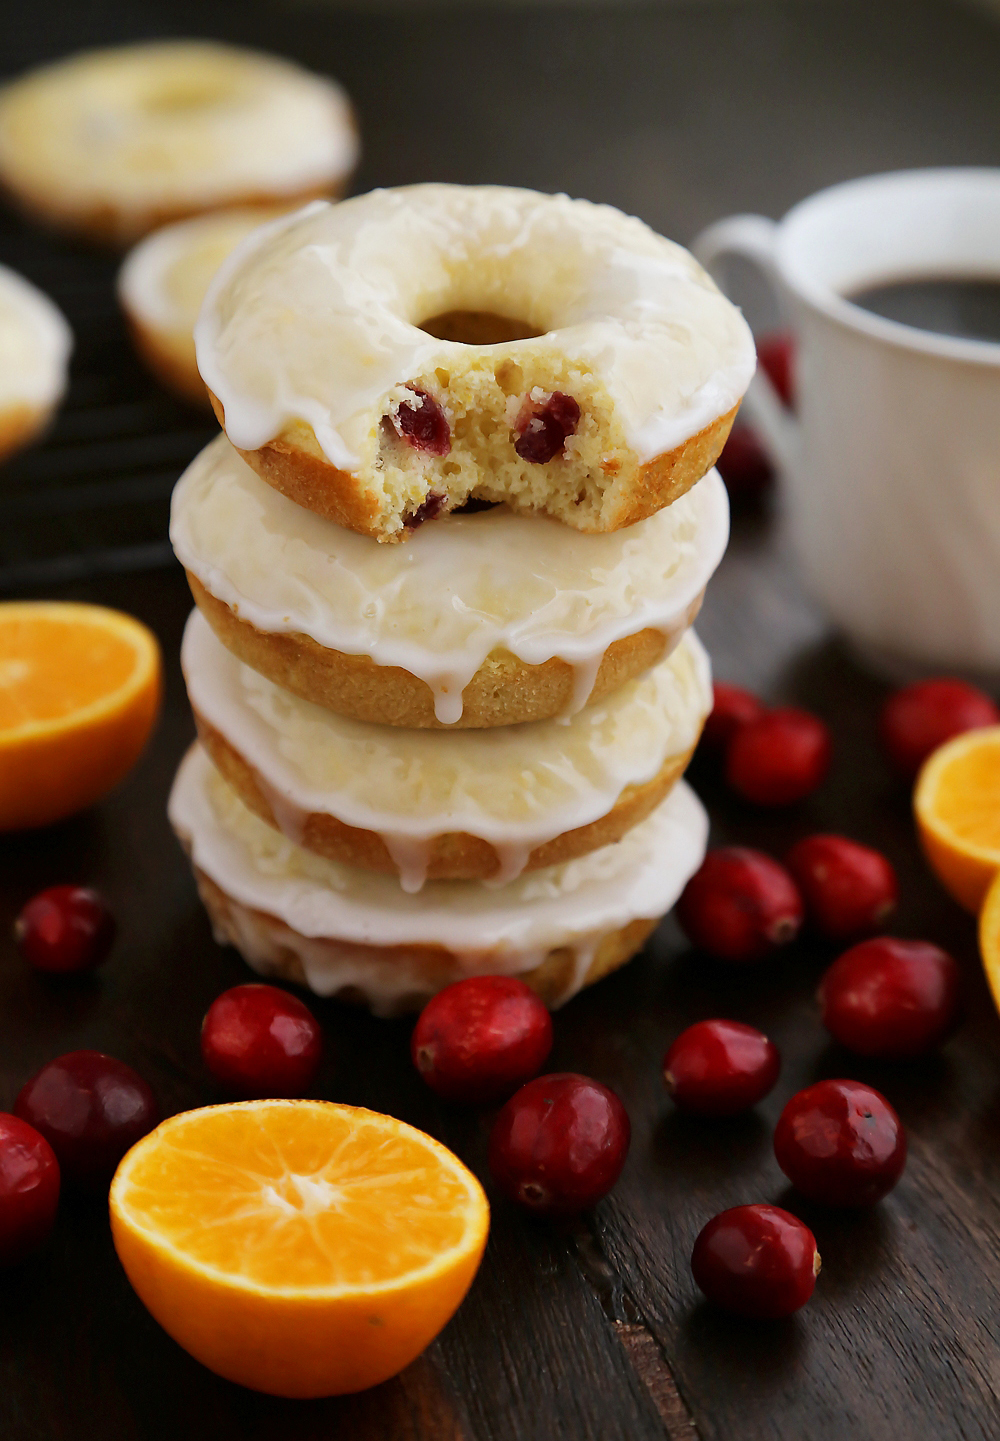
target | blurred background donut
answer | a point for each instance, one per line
(35, 345)
(163, 281)
(112, 143)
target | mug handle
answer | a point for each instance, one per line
(752, 237)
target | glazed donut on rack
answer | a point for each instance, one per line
(113, 143)
(387, 360)
(163, 282)
(475, 805)
(485, 619)
(358, 936)
(35, 345)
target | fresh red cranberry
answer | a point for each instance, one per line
(428, 509)
(892, 999)
(719, 1068)
(921, 717)
(422, 423)
(559, 1144)
(779, 758)
(776, 353)
(757, 1261)
(65, 929)
(848, 888)
(258, 1041)
(840, 1143)
(744, 464)
(479, 1039)
(732, 707)
(740, 905)
(91, 1109)
(543, 427)
(29, 1189)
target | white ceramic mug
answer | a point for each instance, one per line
(891, 461)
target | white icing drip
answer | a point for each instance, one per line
(35, 344)
(460, 589)
(584, 676)
(289, 817)
(411, 856)
(331, 915)
(516, 787)
(447, 691)
(513, 857)
(318, 321)
(584, 953)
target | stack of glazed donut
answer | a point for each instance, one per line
(446, 558)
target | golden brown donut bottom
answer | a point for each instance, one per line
(278, 954)
(454, 855)
(504, 691)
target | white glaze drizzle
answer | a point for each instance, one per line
(410, 855)
(584, 676)
(317, 318)
(330, 909)
(289, 816)
(460, 589)
(516, 787)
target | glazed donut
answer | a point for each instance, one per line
(358, 936)
(384, 361)
(486, 619)
(479, 804)
(163, 282)
(35, 346)
(112, 143)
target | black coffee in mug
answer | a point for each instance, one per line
(966, 308)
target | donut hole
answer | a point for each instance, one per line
(478, 327)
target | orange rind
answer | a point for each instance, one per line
(957, 807)
(299, 1248)
(989, 940)
(80, 689)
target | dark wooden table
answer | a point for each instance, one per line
(592, 1330)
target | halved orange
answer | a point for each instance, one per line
(957, 807)
(298, 1247)
(79, 692)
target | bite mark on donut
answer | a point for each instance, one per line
(544, 423)
(422, 424)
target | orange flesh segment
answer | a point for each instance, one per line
(967, 797)
(333, 1198)
(52, 668)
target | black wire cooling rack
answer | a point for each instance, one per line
(94, 495)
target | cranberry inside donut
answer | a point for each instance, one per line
(427, 510)
(423, 424)
(543, 426)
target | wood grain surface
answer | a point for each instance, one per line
(591, 1330)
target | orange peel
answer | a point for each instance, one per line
(80, 688)
(299, 1248)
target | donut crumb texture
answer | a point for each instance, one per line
(529, 430)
